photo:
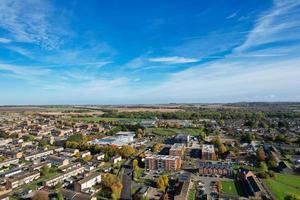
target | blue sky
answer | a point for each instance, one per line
(159, 51)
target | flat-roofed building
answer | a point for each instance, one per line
(21, 179)
(37, 155)
(182, 138)
(208, 152)
(177, 149)
(61, 177)
(9, 162)
(88, 182)
(11, 172)
(40, 165)
(163, 162)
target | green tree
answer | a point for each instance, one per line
(292, 196)
(263, 167)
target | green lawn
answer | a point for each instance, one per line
(192, 193)
(229, 187)
(283, 184)
(173, 131)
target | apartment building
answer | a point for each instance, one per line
(21, 179)
(209, 168)
(163, 162)
(7, 163)
(177, 149)
(37, 155)
(11, 172)
(208, 152)
(40, 165)
(62, 177)
(88, 182)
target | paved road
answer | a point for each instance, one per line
(126, 182)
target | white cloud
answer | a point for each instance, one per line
(4, 40)
(31, 21)
(278, 24)
(232, 15)
(173, 60)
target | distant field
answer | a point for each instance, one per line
(173, 131)
(148, 109)
(283, 184)
(106, 119)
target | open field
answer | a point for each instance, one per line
(105, 119)
(173, 131)
(283, 184)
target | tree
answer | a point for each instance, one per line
(165, 196)
(88, 158)
(292, 196)
(116, 189)
(222, 149)
(263, 167)
(139, 133)
(126, 151)
(217, 141)
(202, 135)
(219, 186)
(60, 195)
(280, 138)
(156, 147)
(260, 154)
(45, 170)
(108, 179)
(162, 182)
(135, 164)
(40, 195)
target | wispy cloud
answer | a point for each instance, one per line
(29, 74)
(31, 21)
(232, 15)
(278, 24)
(21, 51)
(4, 40)
(173, 60)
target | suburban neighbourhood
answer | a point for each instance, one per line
(180, 153)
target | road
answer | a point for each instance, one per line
(126, 181)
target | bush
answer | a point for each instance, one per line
(263, 175)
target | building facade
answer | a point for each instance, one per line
(162, 162)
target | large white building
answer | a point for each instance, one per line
(121, 138)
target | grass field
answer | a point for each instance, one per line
(283, 184)
(173, 131)
(229, 187)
